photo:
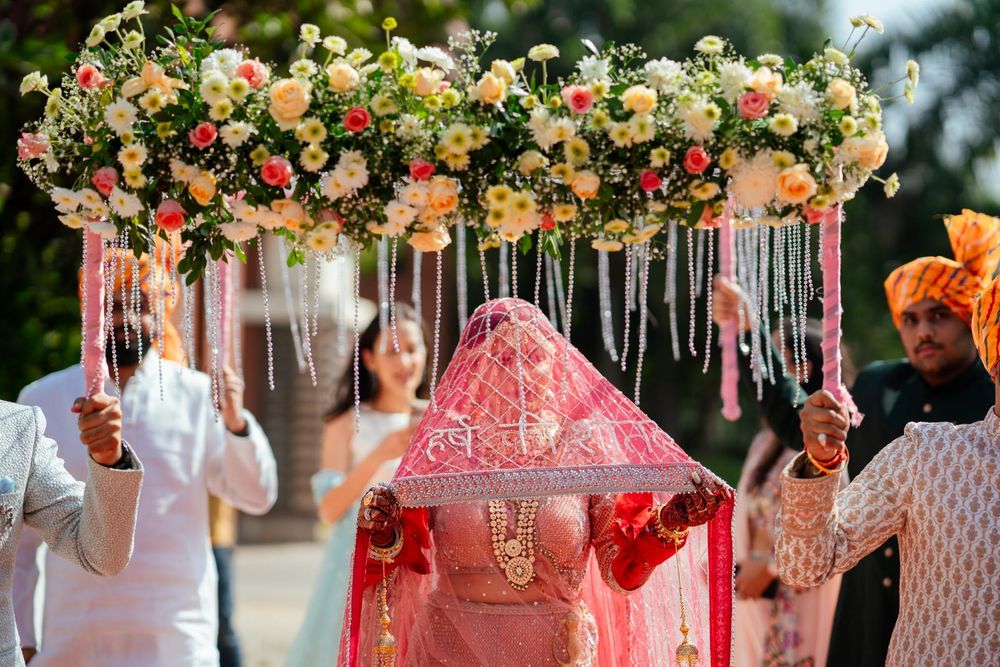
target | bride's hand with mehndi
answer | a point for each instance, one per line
(694, 507)
(378, 515)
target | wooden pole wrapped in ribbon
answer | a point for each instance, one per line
(95, 365)
(728, 330)
(832, 312)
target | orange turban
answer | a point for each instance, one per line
(986, 325)
(122, 264)
(975, 242)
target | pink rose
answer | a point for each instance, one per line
(30, 145)
(89, 77)
(548, 223)
(754, 105)
(578, 98)
(170, 215)
(357, 119)
(88, 140)
(421, 170)
(105, 179)
(254, 71)
(649, 181)
(709, 220)
(276, 171)
(203, 135)
(814, 217)
(696, 160)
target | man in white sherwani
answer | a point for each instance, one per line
(936, 489)
(161, 612)
(91, 526)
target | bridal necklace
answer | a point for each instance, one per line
(515, 555)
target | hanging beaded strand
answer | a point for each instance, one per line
(692, 300)
(357, 339)
(137, 306)
(437, 329)
(310, 331)
(513, 274)
(504, 273)
(538, 271)
(670, 291)
(267, 312)
(111, 266)
(643, 316)
(626, 334)
(779, 293)
(462, 274)
(392, 297)
(415, 291)
(383, 289)
(212, 310)
(765, 296)
(604, 301)
(550, 292)
(709, 271)
(293, 318)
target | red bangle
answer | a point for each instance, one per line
(835, 461)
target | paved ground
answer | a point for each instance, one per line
(273, 584)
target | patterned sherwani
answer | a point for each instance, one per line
(90, 526)
(936, 489)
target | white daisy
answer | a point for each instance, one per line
(406, 50)
(125, 204)
(437, 57)
(73, 220)
(120, 115)
(224, 60)
(214, 87)
(89, 198)
(106, 230)
(235, 134)
(238, 231)
(733, 77)
(335, 45)
(593, 68)
(66, 200)
(801, 101)
(303, 68)
(664, 74)
(309, 34)
(312, 158)
(710, 45)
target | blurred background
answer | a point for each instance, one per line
(944, 147)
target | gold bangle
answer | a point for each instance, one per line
(823, 469)
(664, 533)
(386, 554)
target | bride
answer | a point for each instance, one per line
(530, 518)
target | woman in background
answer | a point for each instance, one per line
(389, 383)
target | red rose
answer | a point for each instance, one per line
(203, 135)
(276, 171)
(754, 105)
(649, 181)
(696, 160)
(105, 179)
(578, 98)
(170, 215)
(254, 72)
(357, 119)
(421, 170)
(89, 77)
(548, 223)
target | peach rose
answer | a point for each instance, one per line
(443, 195)
(870, 150)
(289, 101)
(842, 93)
(492, 90)
(585, 184)
(342, 77)
(766, 81)
(796, 185)
(202, 188)
(427, 81)
(434, 239)
(639, 99)
(291, 212)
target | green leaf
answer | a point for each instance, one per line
(524, 244)
(694, 215)
(178, 14)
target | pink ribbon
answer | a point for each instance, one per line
(95, 366)
(728, 330)
(832, 311)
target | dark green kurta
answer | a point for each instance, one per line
(889, 394)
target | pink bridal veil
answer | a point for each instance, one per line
(515, 471)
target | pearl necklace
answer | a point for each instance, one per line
(515, 555)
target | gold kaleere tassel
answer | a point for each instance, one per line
(385, 649)
(687, 653)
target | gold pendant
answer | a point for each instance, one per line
(513, 547)
(519, 572)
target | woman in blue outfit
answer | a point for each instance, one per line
(390, 382)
